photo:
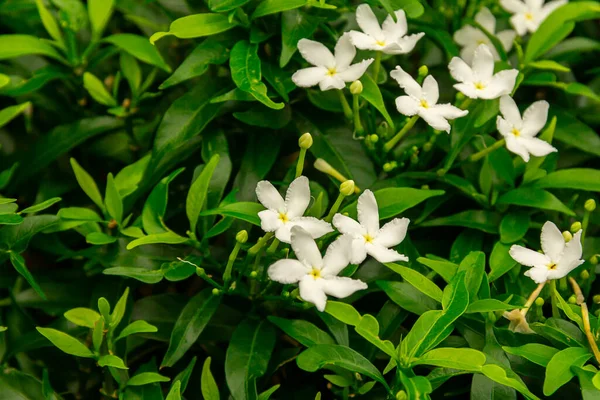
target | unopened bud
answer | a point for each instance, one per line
(423, 71)
(216, 292)
(253, 274)
(109, 81)
(594, 259)
(441, 172)
(539, 302)
(573, 299)
(374, 138)
(356, 87)
(427, 146)
(112, 224)
(286, 294)
(242, 236)
(590, 205)
(401, 395)
(584, 274)
(387, 167)
(575, 227)
(200, 271)
(596, 298)
(567, 235)
(126, 103)
(305, 141)
(347, 188)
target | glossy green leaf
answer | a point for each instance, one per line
(558, 371)
(445, 269)
(304, 332)
(196, 25)
(419, 281)
(87, 184)
(50, 24)
(156, 206)
(408, 297)
(18, 262)
(136, 327)
(175, 391)
(197, 194)
(97, 90)
(141, 274)
(246, 211)
(210, 390)
(575, 178)
(41, 206)
(372, 94)
(146, 378)
(113, 361)
(486, 221)
(268, 7)
(535, 198)
(83, 317)
(488, 305)
(394, 201)
(514, 226)
(295, 25)
(66, 343)
(466, 359)
(500, 261)
(112, 200)
(534, 352)
(508, 378)
(140, 48)
(12, 46)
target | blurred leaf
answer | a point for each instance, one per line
(139, 47)
(268, 7)
(9, 113)
(486, 221)
(12, 46)
(19, 263)
(145, 378)
(99, 12)
(225, 5)
(113, 361)
(196, 25)
(394, 201)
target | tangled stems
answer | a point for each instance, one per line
(479, 155)
(585, 315)
(394, 141)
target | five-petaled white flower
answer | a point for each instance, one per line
(317, 276)
(367, 237)
(478, 81)
(329, 71)
(423, 101)
(559, 258)
(281, 215)
(528, 15)
(469, 37)
(388, 38)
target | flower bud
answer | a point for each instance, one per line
(374, 138)
(567, 235)
(539, 302)
(596, 298)
(590, 205)
(286, 294)
(356, 87)
(387, 167)
(253, 274)
(216, 292)
(427, 146)
(441, 172)
(584, 274)
(401, 395)
(573, 299)
(347, 188)
(200, 271)
(423, 71)
(242, 236)
(305, 141)
(594, 259)
(575, 227)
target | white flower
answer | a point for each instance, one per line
(366, 235)
(388, 38)
(520, 133)
(281, 215)
(329, 71)
(423, 101)
(317, 276)
(559, 258)
(479, 80)
(470, 37)
(528, 15)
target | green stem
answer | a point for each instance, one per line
(534, 295)
(466, 103)
(230, 261)
(394, 141)
(260, 244)
(335, 207)
(345, 105)
(584, 225)
(273, 247)
(358, 128)
(554, 300)
(376, 66)
(300, 164)
(479, 155)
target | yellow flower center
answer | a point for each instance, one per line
(479, 85)
(516, 132)
(481, 41)
(424, 103)
(368, 238)
(283, 217)
(315, 273)
(551, 266)
(380, 43)
(331, 71)
(528, 16)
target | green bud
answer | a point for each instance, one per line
(394, 164)
(441, 172)
(347, 188)
(358, 376)
(242, 236)
(425, 187)
(427, 146)
(573, 299)
(567, 235)
(374, 138)
(401, 395)
(305, 141)
(216, 292)
(356, 87)
(596, 298)
(594, 259)
(200, 271)
(423, 71)
(539, 302)
(590, 205)
(253, 274)
(286, 294)
(575, 227)
(414, 158)
(584, 274)
(387, 167)
(414, 149)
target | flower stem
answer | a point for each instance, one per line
(479, 155)
(300, 164)
(230, 261)
(585, 315)
(534, 295)
(273, 247)
(358, 128)
(394, 141)
(335, 207)
(260, 243)
(376, 66)
(466, 103)
(555, 312)
(345, 105)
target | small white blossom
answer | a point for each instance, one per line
(469, 37)
(559, 258)
(281, 215)
(367, 237)
(520, 133)
(329, 71)
(478, 81)
(388, 38)
(422, 101)
(316, 275)
(529, 14)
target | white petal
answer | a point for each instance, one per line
(347, 225)
(504, 127)
(466, 36)
(534, 118)
(344, 52)
(308, 77)
(510, 111)
(530, 258)
(392, 233)
(359, 251)
(483, 63)
(368, 212)
(501, 84)
(468, 89)
(553, 242)
(538, 147)
(514, 6)
(305, 248)
(283, 233)
(287, 271)
(392, 31)
(539, 275)
(507, 38)
(431, 91)
(515, 145)
(269, 196)
(533, 24)
(355, 71)
(460, 71)
(312, 225)
(407, 105)
(466, 53)
(311, 291)
(571, 256)
(332, 82)
(449, 111)
(519, 22)
(406, 82)
(363, 41)
(486, 19)
(408, 42)
(316, 53)
(434, 119)
(367, 21)
(534, 4)
(269, 220)
(337, 257)
(297, 197)
(384, 255)
(551, 6)
(341, 287)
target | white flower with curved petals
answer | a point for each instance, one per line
(559, 258)
(422, 101)
(281, 215)
(367, 237)
(329, 71)
(519, 133)
(316, 275)
(469, 37)
(478, 81)
(528, 15)
(389, 38)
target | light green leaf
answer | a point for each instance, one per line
(100, 239)
(140, 48)
(146, 378)
(507, 377)
(110, 360)
(196, 25)
(136, 327)
(343, 312)
(66, 343)
(466, 359)
(587, 179)
(246, 211)
(267, 7)
(445, 269)
(79, 214)
(537, 353)
(196, 197)
(83, 317)
(9, 113)
(548, 65)
(50, 23)
(12, 46)
(112, 199)
(141, 274)
(304, 332)
(419, 281)
(393, 200)
(165, 238)
(119, 310)
(372, 94)
(535, 198)
(558, 371)
(210, 390)
(99, 12)
(225, 5)
(97, 90)
(175, 391)
(488, 305)
(40, 206)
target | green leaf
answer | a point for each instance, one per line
(185, 375)
(196, 25)
(87, 184)
(141, 274)
(156, 205)
(40, 206)
(110, 360)
(10, 219)
(140, 48)
(372, 94)
(507, 377)
(246, 211)
(119, 310)
(465, 359)
(558, 371)
(248, 355)
(146, 378)
(488, 305)
(246, 73)
(419, 281)
(486, 221)
(268, 7)
(393, 201)
(50, 23)
(189, 325)
(265, 117)
(99, 12)
(136, 327)
(535, 198)
(210, 390)
(100, 239)
(112, 199)
(548, 65)
(17, 237)
(9, 113)
(445, 269)
(12, 46)
(343, 312)
(78, 214)
(19, 263)
(83, 317)
(575, 133)
(307, 333)
(175, 391)
(196, 197)
(295, 25)
(407, 296)
(164, 238)
(574, 178)
(514, 226)
(500, 261)
(97, 90)
(537, 353)
(66, 343)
